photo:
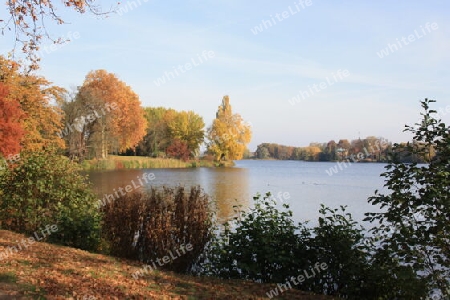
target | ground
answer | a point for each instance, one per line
(46, 271)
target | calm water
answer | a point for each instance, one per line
(303, 185)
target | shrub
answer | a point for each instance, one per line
(415, 224)
(355, 269)
(407, 257)
(339, 242)
(146, 226)
(259, 245)
(46, 189)
(265, 245)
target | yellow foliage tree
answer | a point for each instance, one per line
(228, 135)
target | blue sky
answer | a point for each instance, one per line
(262, 73)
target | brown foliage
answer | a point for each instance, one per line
(46, 271)
(178, 149)
(148, 226)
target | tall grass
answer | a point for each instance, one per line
(132, 162)
(146, 226)
(139, 162)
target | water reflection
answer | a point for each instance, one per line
(226, 186)
(307, 184)
(229, 186)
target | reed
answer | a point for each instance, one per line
(132, 162)
(147, 226)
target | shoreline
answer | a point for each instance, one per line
(115, 162)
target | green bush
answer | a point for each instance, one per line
(415, 224)
(46, 189)
(406, 257)
(354, 268)
(259, 245)
(265, 245)
(338, 241)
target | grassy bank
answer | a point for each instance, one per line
(114, 162)
(46, 271)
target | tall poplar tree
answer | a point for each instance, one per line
(228, 135)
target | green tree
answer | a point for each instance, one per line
(165, 125)
(228, 135)
(157, 138)
(262, 152)
(188, 127)
(330, 151)
(415, 223)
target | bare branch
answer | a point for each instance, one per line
(28, 18)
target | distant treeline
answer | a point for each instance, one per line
(370, 149)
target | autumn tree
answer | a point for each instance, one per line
(356, 146)
(374, 146)
(229, 134)
(178, 149)
(11, 131)
(107, 113)
(38, 98)
(312, 153)
(343, 148)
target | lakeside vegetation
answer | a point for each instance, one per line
(402, 257)
(116, 162)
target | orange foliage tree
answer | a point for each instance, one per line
(37, 98)
(119, 123)
(11, 131)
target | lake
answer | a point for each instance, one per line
(303, 185)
